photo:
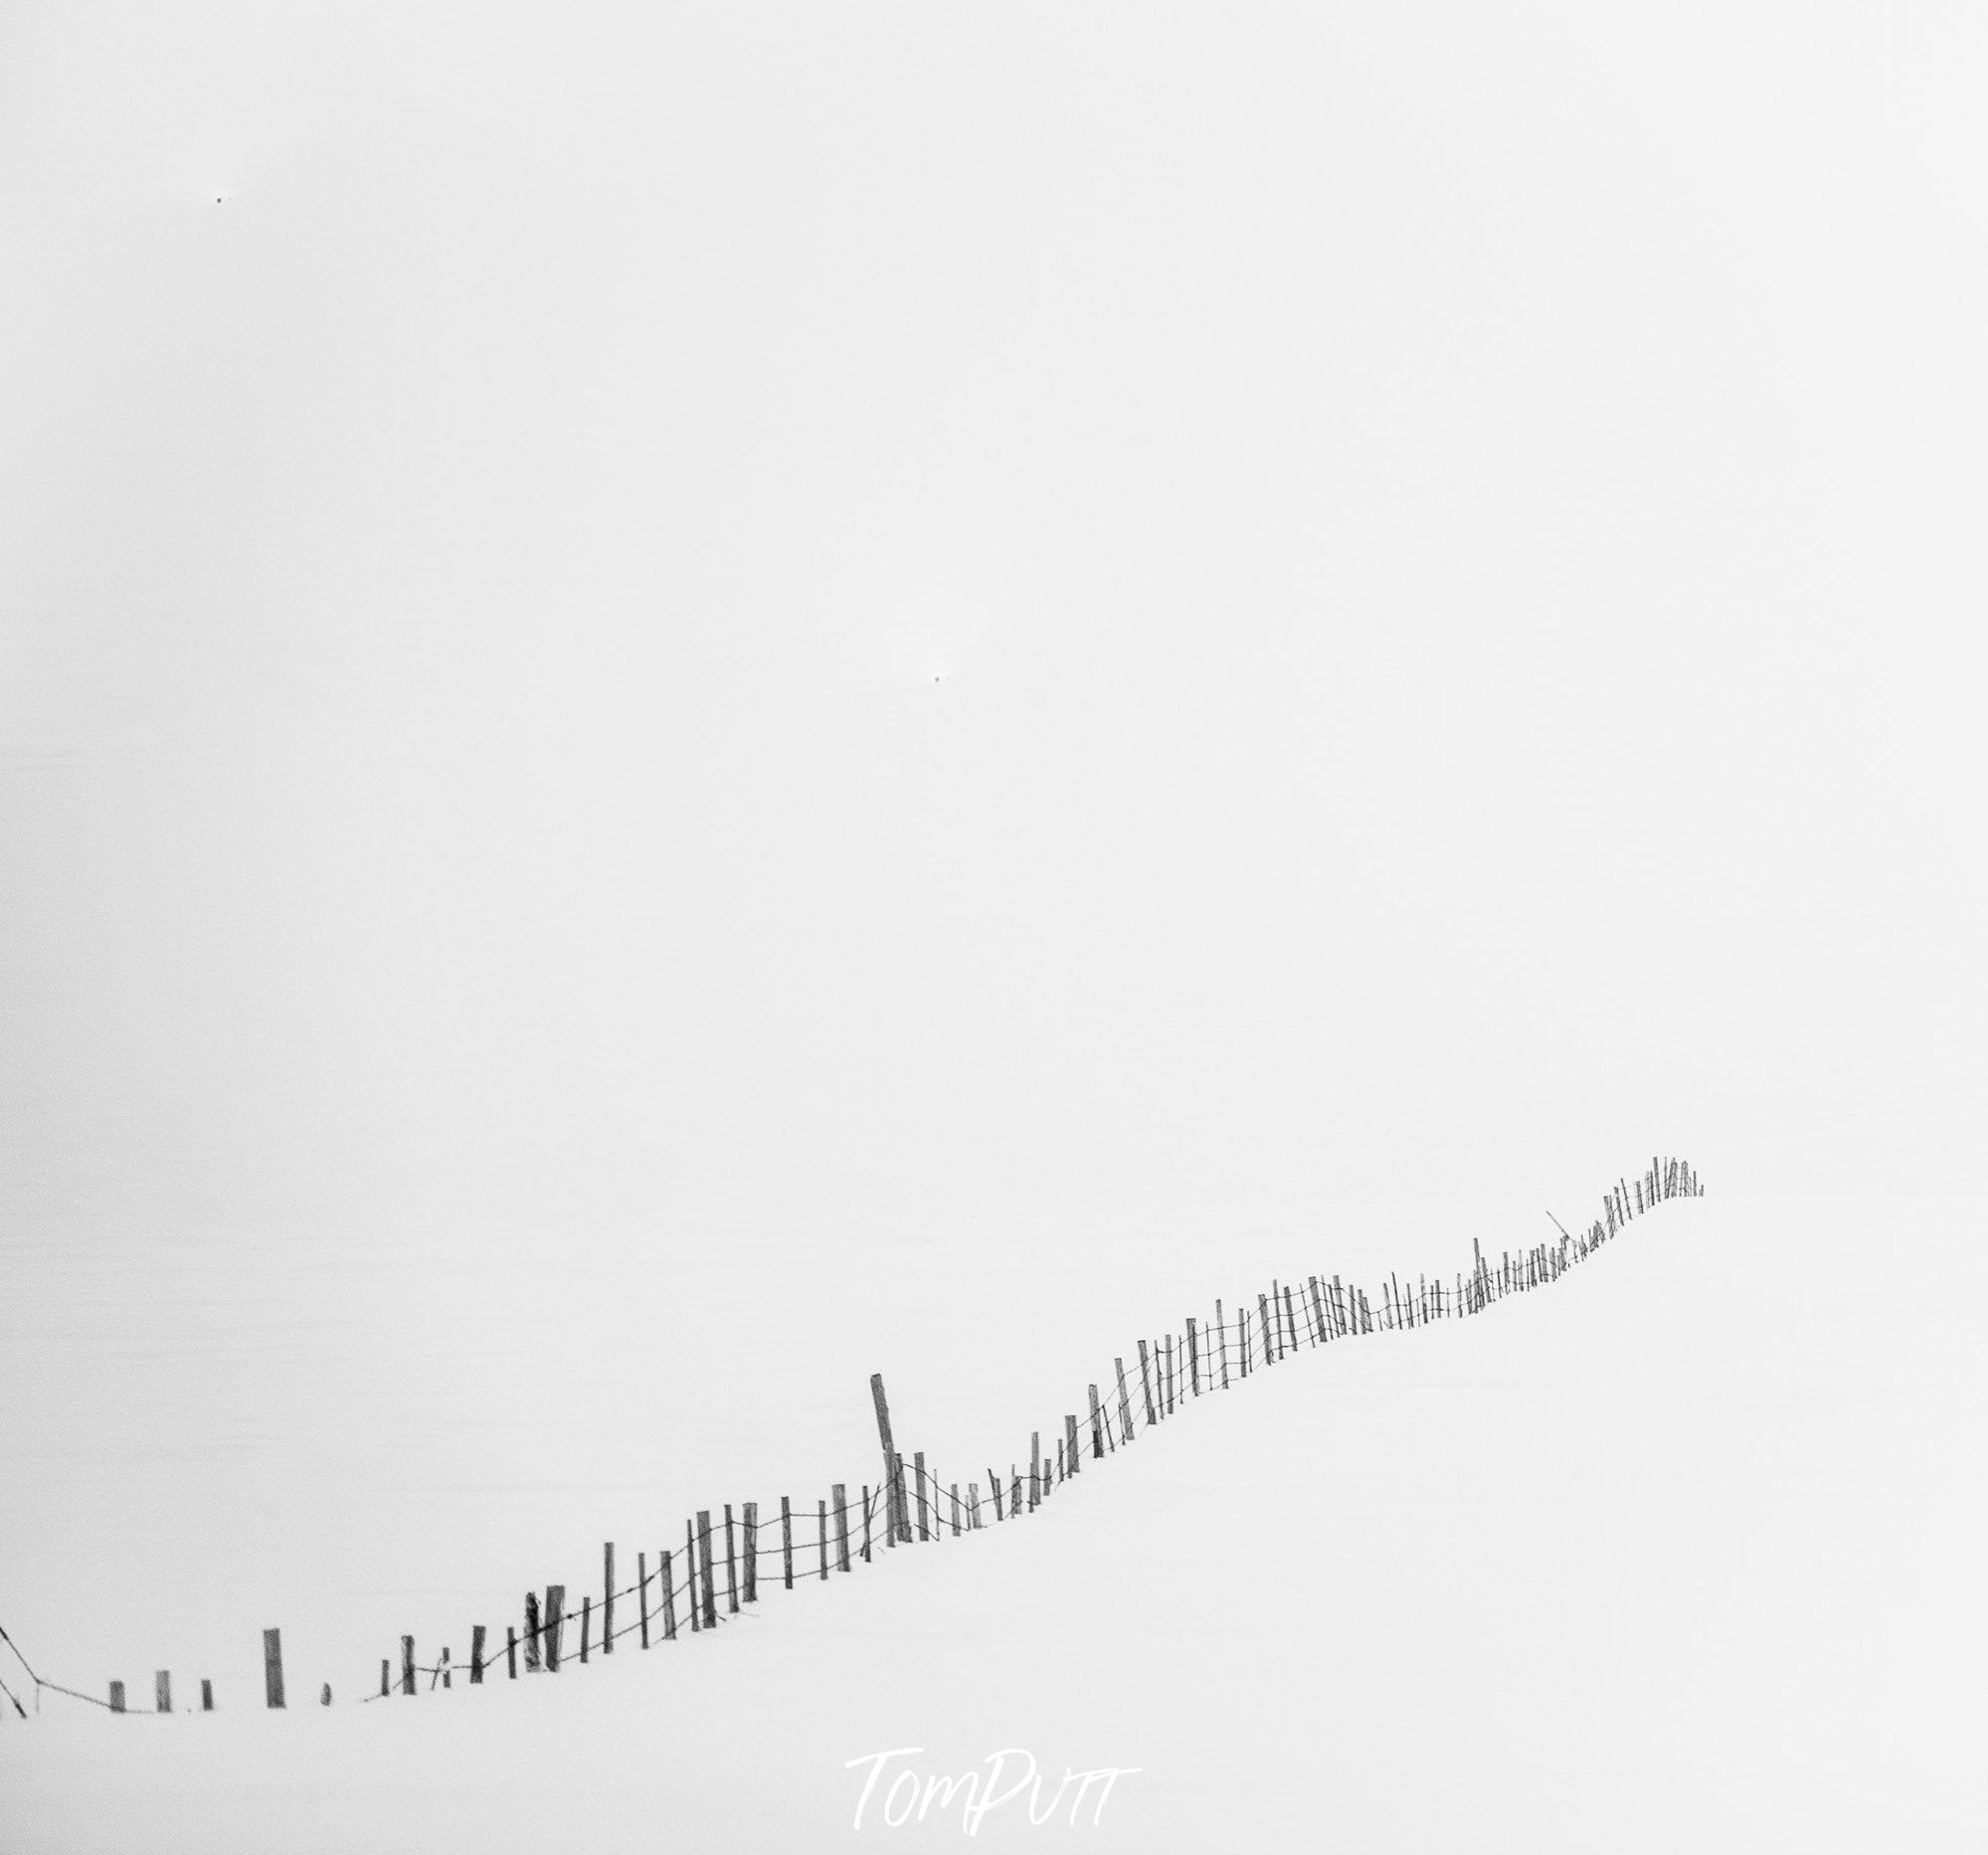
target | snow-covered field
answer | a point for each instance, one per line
(1679, 1552)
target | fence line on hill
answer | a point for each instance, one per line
(680, 1595)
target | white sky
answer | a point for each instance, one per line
(610, 612)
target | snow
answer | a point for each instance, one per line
(1674, 1552)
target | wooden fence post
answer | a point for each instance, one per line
(752, 1528)
(534, 1633)
(162, 1690)
(1071, 1456)
(1124, 1402)
(707, 1572)
(207, 1692)
(607, 1600)
(586, 1625)
(822, 1533)
(690, 1602)
(116, 1697)
(918, 1475)
(642, 1597)
(667, 1576)
(786, 1542)
(407, 1665)
(973, 1507)
(994, 1486)
(1221, 1343)
(897, 1521)
(555, 1616)
(1097, 1427)
(477, 1655)
(840, 1495)
(510, 1650)
(442, 1670)
(1194, 1360)
(1146, 1386)
(956, 1510)
(731, 1567)
(1034, 1469)
(273, 1667)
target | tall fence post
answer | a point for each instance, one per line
(273, 1667)
(898, 1522)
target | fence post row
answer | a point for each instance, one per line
(1332, 1310)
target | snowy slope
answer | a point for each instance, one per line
(1671, 1554)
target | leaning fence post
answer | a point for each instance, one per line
(752, 1530)
(897, 1523)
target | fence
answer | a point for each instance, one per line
(678, 1594)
